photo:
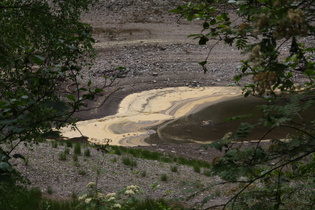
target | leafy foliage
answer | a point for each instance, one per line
(277, 173)
(43, 46)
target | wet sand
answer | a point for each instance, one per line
(139, 112)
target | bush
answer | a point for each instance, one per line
(82, 172)
(54, 144)
(69, 144)
(87, 152)
(164, 177)
(196, 168)
(174, 169)
(77, 149)
(75, 157)
(129, 162)
(207, 173)
(66, 151)
(143, 173)
(62, 156)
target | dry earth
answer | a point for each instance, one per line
(153, 46)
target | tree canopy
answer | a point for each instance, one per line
(278, 37)
(42, 45)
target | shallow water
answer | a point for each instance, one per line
(211, 124)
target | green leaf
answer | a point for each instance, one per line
(191, 17)
(5, 167)
(19, 156)
(194, 35)
(206, 25)
(213, 22)
(239, 117)
(243, 130)
(51, 134)
(203, 40)
(98, 90)
(71, 97)
(39, 60)
(203, 63)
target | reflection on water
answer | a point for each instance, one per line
(211, 123)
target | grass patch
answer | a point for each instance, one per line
(113, 160)
(62, 156)
(129, 161)
(66, 151)
(174, 169)
(197, 168)
(87, 152)
(75, 158)
(164, 177)
(77, 149)
(149, 203)
(16, 197)
(54, 144)
(207, 173)
(50, 190)
(69, 144)
(149, 155)
(143, 173)
(82, 172)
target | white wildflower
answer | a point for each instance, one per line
(129, 192)
(88, 200)
(134, 188)
(100, 195)
(110, 195)
(82, 197)
(111, 198)
(117, 205)
(91, 185)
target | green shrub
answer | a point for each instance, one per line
(50, 190)
(196, 168)
(207, 173)
(69, 144)
(174, 169)
(82, 172)
(129, 162)
(62, 156)
(117, 152)
(75, 157)
(164, 177)
(87, 152)
(167, 160)
(66, 151)
(17, 197)
(54, 144)
(143, 173)
(77, 149)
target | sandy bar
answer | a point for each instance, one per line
(140, 111)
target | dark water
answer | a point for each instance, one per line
(211, 123)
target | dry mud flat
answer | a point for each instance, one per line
(153, 46)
